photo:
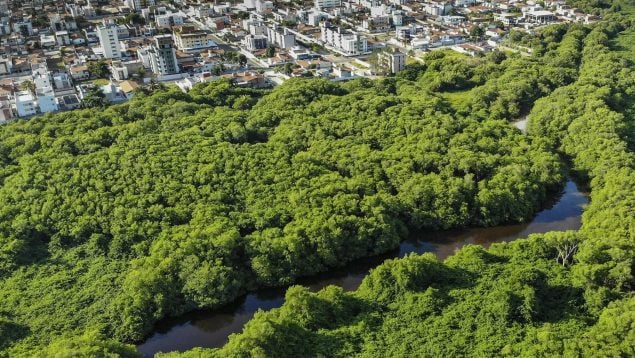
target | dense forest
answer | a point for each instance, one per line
(114, 218)
(555, 294)
(560, 293)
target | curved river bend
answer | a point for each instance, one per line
(211, 329)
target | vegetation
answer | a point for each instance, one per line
(99, 69)
(28, 86)
(115, 217)
(94, 97)
(555, 294)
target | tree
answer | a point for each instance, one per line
(154, 85)
(242, 60)
(270, 51)
(98, 69)
(476, 32)
(95, 97)
(288, 68)
(28, 86)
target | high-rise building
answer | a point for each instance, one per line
(109, 40)
(163, 56)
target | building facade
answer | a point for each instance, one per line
(350, 44)
(391, 62)
(162, 55)
(188, 38)
(109, 40)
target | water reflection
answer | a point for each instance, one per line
(211, 329)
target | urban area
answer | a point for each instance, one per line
(62, 55)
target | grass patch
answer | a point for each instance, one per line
(100, 82)
(456, 98)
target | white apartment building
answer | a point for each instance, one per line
(26, 104)
(255, 42)
(377, 23)
(47, 101)
(350, 44)
(109, 40)
(397, 18)
(280, 37)
(264, 7)
(168, 20)
(324, 4)
(392, 62)
(437, 9)
(162, 55)
(44, 88)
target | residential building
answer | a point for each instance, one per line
(539, 16)
(62, 38)
(62, 80)
(24, 28)
(377, 23)
(26, 104)
(255, 42)
(109, 40)
(79, 72)
(45, 95)
(5, 66)
(350, 44)
(280, 37)
(163, 56)
(119, 71)
(506, 18)
(264, 7)
(188, 38)
(391, 61)
(47, 41)
(168, 20)
(137, 5)
(324, 4)
(437, 9)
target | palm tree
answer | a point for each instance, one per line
(28, 86)
(154, 85)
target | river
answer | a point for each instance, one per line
(212, 328)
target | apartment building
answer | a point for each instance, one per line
(168, 20)
(391, 62)
(324, 4)
(351, 44)
(109, 40)
(188, 38)
(163, 56)
(280, 37)
(255, 42)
